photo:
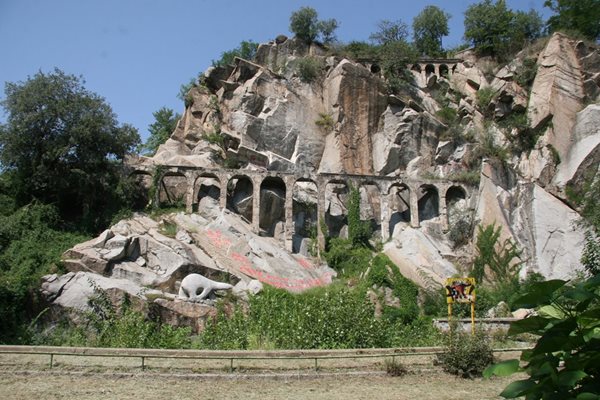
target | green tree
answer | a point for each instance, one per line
(246, 50)
(62, 145)
(496, 30)
(165, 121)
(579, 15)
(495, 258)
(304, 24)
(428, 29)
(390, 32)
(184, 91)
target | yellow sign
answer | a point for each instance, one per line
(460, 290)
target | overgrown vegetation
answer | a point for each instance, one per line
(309, 68)
(466, 355)
(246, 50)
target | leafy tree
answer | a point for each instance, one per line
(495, 258)
(564, 361)
(246, 50)
(496, 30)
(428, 29)
(304, 24)
(359, 232)
(389, 32)
(165, 121)
(62, 145)
(579, 15)
(327, 30)
(184, 91)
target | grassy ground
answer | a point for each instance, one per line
(433, 385)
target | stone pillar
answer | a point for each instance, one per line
(189, 196)
(256, 181)
(320, 213)
(414, 208)
(444, 208)
(223, 181)
(289, 212)
(385, 217)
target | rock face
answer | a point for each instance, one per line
(138, 258)
(296, 108)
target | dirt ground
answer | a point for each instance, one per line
(431, 385)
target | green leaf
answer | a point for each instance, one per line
(531, 324)
(541, 293)
(517, 388)
(570, 378)
(504, 368)
(587, 396)
(551, 311)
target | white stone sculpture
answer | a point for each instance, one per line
(191, 285)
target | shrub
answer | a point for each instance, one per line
(309, 68)
(394, 368)
(325, 121)
(466, 355)
(495, 257)
(485, 96)
(525, 73)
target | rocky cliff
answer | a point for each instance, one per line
(464, 140)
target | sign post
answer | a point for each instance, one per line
(461, 290)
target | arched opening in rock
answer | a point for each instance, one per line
(456, 203)
(142, 181)
(272, 207)
(207, 192)
(399, 206)
(375, 69)
(429, 69)
(444, 71)
(454, 68)
(370, 206)
(336, 210)
(240, 196)
(305, 216)
(172, 190)
(429, 202)
(416, 68)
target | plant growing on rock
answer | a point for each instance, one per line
(325, 121)
(309, 68)
(496, 261)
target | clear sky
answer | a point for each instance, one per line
(137, 53)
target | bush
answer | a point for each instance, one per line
(394, 368)
(485, 96)
(466, 355)
(309, 68)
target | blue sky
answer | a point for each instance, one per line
(137, 53)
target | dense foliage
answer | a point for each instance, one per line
(246, 50)
(466, 355)
(429, 26)
(305, 24)
(62, 145)
(576, 15)
(165, 121)
(497, 30)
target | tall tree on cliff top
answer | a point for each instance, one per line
(579, 15)
(165, 121)
(62, 145)
(428, 29)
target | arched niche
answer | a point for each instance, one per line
(272, 207)
(444, 71)
(429, 69)
(305, 215)
(370, 206)
(429, 202)
(375, 68)
(240, 196)
(336, 210)
(207, 192)
(416, 68)
(399, 206)
(172, 189)
(142, 182)
(456, 203)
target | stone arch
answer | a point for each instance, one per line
(272, 206)
(336, 210)
(454, 68)
(172, 189)
(142, 181)
(399, 206)
(206, 186)
(370, 201)
(240, 196)
(304, 215)
(416, 68)
(429, 69)
(456, 203)
(444, 71)
(428, 202)
(375, 68)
